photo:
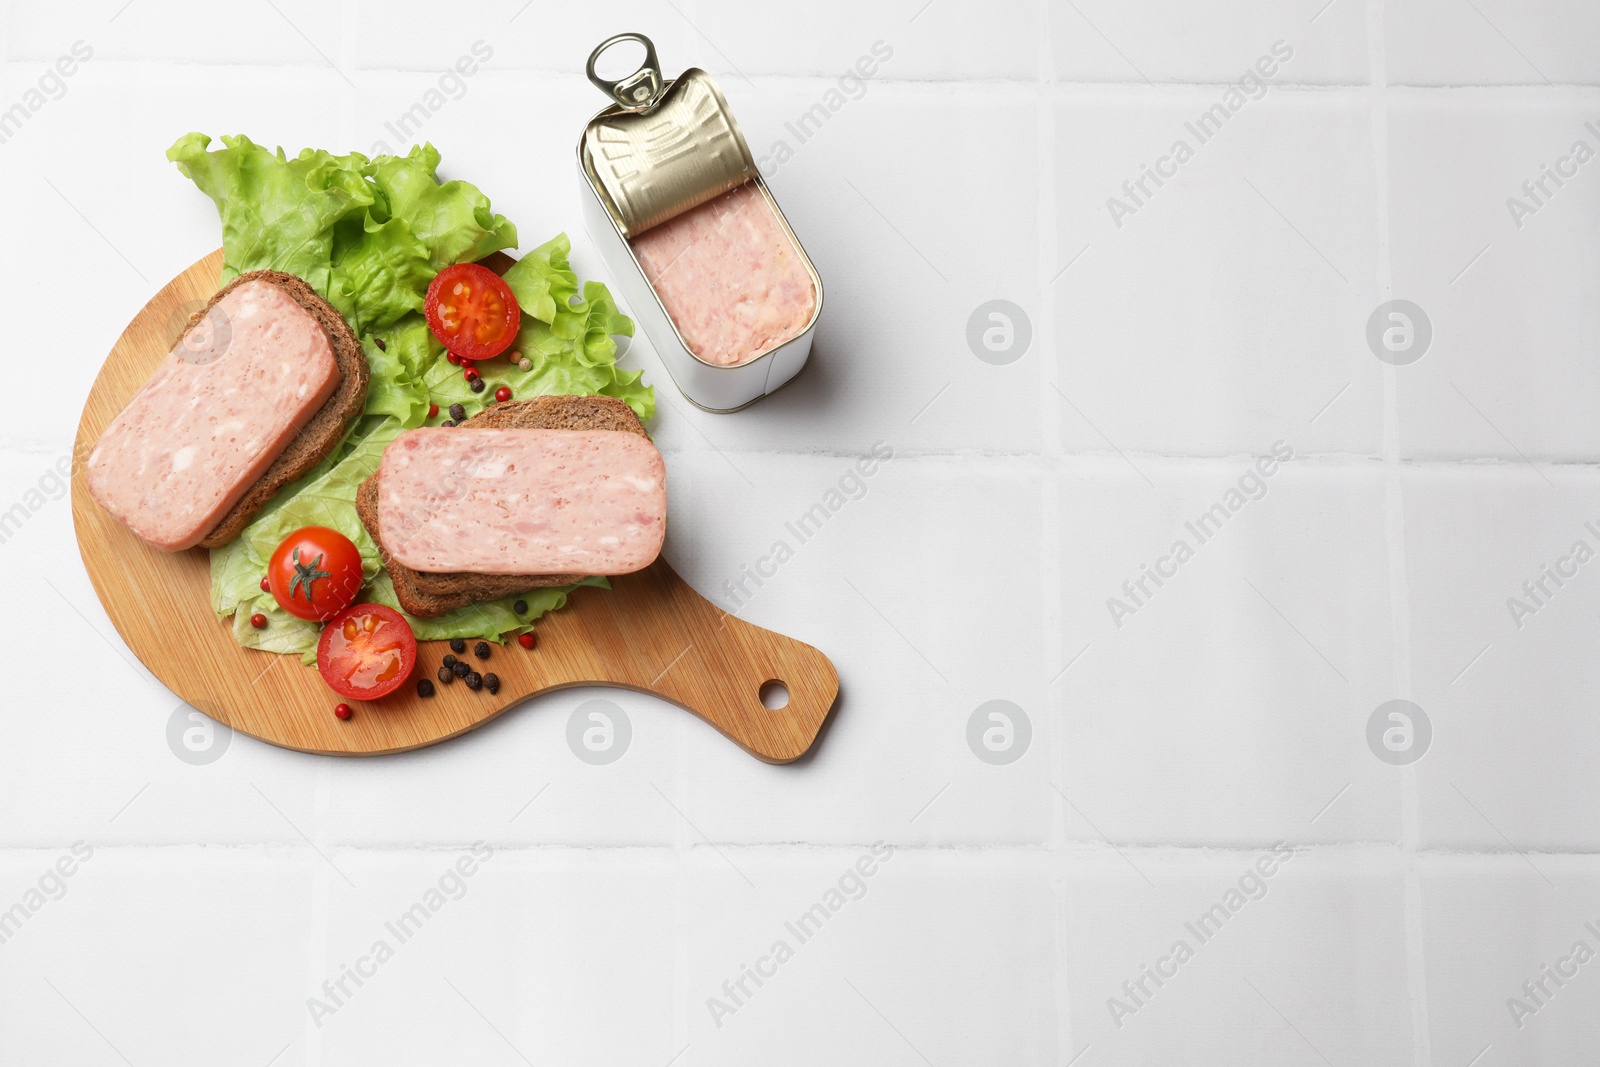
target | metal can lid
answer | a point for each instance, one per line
(663, 147)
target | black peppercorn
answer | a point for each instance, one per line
(474, 681)
(477, 385)
(446, 676)
(481, 650)
(449, 660)
(520, 607)
(461, 670)
(424, 688)
(491, 682)
(457, 412)
(457, 645)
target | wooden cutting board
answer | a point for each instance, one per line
(650, 632)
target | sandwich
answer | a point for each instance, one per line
(523, 495)
(260, 387)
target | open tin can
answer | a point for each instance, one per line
(693, 237)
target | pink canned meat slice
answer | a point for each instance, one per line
(730, 277)
(522, 501)
(223, 404)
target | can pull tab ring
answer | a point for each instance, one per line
(639, 90)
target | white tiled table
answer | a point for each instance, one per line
(1227, 714)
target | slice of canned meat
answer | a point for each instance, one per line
(522, 501)
(729, 276)
(220, 408)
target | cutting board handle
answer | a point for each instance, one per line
(679, 646)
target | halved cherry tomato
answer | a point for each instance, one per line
(315, 573)
(366, 652)
(472, 311)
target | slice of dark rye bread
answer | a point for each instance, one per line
(427, 595)
(321, 433)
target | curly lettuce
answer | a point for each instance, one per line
(369, 235)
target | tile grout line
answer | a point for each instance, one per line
(319, 943)
(1050, 447)
(1394, 530)
(680, 854)
(683, 1028)
(1087, 846)
(30, 62)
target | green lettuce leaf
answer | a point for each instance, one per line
(397, 388)
(277, 213)
(453, 219)
(379, 274)
(489, 619)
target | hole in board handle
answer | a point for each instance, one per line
(774, 695)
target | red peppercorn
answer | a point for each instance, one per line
(342, 710)
(433, 409)
(527, 640)
(266, 586)
(470, 374)
(453, 358)
(502, 394)
(259, 621)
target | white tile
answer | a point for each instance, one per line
(946, 40)
(1492, 924)
(297, 33)
(1229, 705)
(508, 961)
(1171, 41)
(1226, 310)
(991, 998)
(93, 975)
(518, 36)
(517, 779)
(1490, 42)
(1511, 370)
(1508, 766)
(1300, 966)
(926, 615)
